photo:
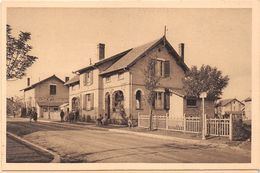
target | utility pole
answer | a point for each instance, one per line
(203, 95)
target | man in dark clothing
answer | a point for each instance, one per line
(61, 116)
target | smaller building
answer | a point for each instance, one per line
(46, 96)
(228, 106)
(247, 108)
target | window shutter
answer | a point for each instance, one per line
(84, 78)
(91, 77)
(153, 70)
(166, 100)
(166, 68)
(84, 101)
(92, 100)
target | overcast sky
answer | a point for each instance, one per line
(65, 39)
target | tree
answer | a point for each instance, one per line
(151, 82)
(17, 58)
(206, 79)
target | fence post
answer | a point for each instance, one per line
(206, 130)
(230, 128)
(138, 120)
(184, 123)
(166, 121)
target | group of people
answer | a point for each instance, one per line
(72, 116)
(103, 121)
(32, 114)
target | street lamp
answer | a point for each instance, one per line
(203, 95)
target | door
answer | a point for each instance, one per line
(107, 105)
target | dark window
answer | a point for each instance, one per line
(55, 108)
(167, 100)
(191, 102)
(166, 69)
(52, 89)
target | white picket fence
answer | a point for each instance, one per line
(214, 127)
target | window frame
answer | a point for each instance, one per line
(140, 101)
(120, 74)
(108, 79)
(192, 106)
(50, 90)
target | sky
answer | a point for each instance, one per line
(65, 39)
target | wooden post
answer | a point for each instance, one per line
(184, 123)
(166, 121)
(230, 128)
(138, 119)
(206, 132)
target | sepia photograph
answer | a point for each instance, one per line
(128, 85)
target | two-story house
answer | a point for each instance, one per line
(46, 96)
(117, 83)
(228, 106)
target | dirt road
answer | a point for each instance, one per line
(80, 144)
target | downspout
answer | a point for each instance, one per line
(131, 87)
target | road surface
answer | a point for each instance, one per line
(80, 144)
(18, 152)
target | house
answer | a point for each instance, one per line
(247, 108)
(115, 87)
(228, 106)
(46, 96)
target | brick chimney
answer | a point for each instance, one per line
(28, 81)
(101, 51)
(67, 79)
(181, 51)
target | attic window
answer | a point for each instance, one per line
(52, 89)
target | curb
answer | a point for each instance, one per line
(161, 137)
(75, 125)
(56, 157)
(171, 138)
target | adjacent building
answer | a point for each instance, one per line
(247, 108)
(115, 86)
(46, 96)
(228, 106)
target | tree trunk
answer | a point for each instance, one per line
(151, 119)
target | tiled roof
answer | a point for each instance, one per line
(226, 101)
(112, 58)
(130, 57)
(74, 79)
(37, 83)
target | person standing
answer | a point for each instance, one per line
(61, 115)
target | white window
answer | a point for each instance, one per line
(162, 68)
(88, 102)
(120, 76)
(108, 79)
(159, 98)
(88, 78)
(138, 99)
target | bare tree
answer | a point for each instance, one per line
(17, 58)
(151, 82)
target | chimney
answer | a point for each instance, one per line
(101, 51)
(67, 79)
(28, 81)
(181, 51)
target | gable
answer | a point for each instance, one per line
(137, 53)
(53, 77)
